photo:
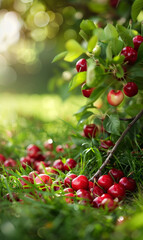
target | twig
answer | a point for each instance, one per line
(127, 119)
(138, 116)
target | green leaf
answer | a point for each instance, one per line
(110, 32)
(95, 74)
(99, 32)
(87, 26)
(120, 71)
(78, 79)
(109, 52)
(112, 124)
(74, 50)
(59, 56)
(83, 35)
(92, 43)
(124, 34)
(136, 9)
(116, 45)
(83, 116)
(134, 109)
(140, 53)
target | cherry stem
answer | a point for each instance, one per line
(138, 116)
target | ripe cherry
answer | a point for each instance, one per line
(25, 161)
(137, 40)
(90, 130)
(59, 148)
(96, 191)
(68, 179)
(49, 144)
(58, 164)
(43, 178)
(85, 195)
(33, 151)
(114, 3)
(70, 164)
(69, 197)
(68, 190)
(80, 182)
(106, 144)
(23, 182)
(98, 200)
(128, 183)
(108, 203)
(81, 65)
(117, 191)
(105, 181)
(130, 89)
(116, 174)
(86, 91)
(130, 54)
(2, 159)
(10, 163)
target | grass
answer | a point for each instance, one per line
(34, 119)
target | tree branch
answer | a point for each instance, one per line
(138, 116)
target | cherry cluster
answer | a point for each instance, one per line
(115, 97)
(40, 161)
(107, 191)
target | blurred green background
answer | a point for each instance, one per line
(32, 32)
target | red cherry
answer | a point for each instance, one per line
(137, 40)
(33, 151)
(23, 182)
(58, 164)
(69, 197)
(49, 144)
(106, 195)
(105, 181)
(96, 191)
(86, 91)
(80, 182)
(33, 174)
(90, 130)
(50, 170)
(58, 185)
(116, 174)
(117, 191)
(128, 183)
(97, 202)
(91, 185)
(25, 161)
(10, 198)
(2, 159)
(70, 164)
(10, 163)
(59, 148)
(106, 144)
(40, 167)
(82, 193)
(81, 65)
(43, 178)
(68, 190)
(130, 89)
(68, 179)
(130, 54)
(108, 203)
(114, 3)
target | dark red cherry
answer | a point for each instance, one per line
(105, 181)
(117, 191)
(90, 130)
(116, 174)
(80, 182)
(86, 92)
(130, 54)
(128, 183)
(137, 40)
(130, 89)
(81, 65)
